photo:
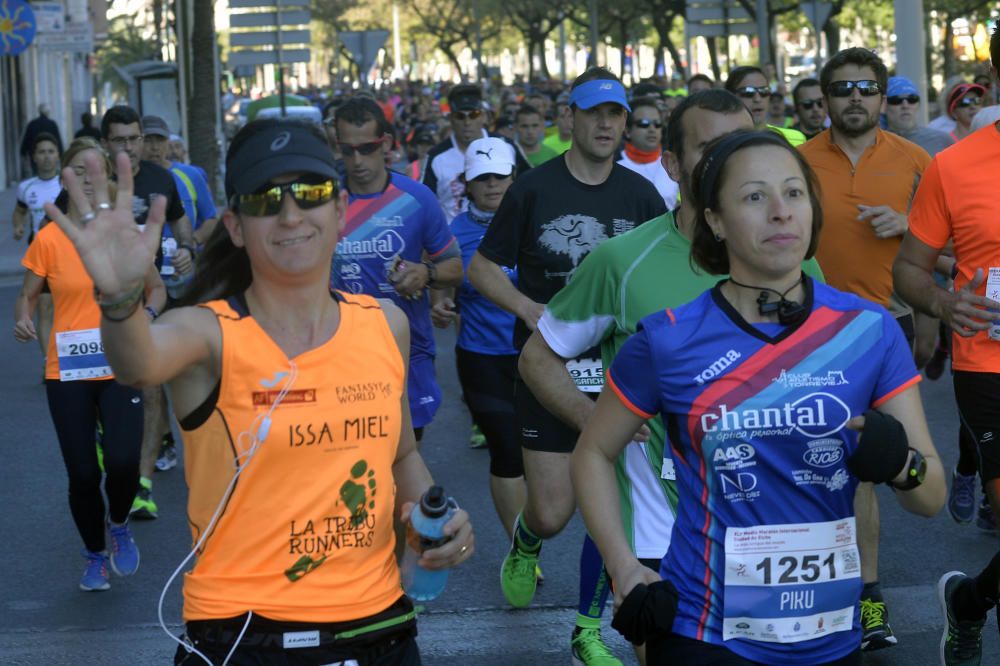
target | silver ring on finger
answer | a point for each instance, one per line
(88, 217)
(104, 205)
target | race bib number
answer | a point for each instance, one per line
(81, 355)
(791, 583)
(587, 374)
(993, 293)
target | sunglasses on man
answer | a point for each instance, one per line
(472, 114)
(367, 148)
(807, 104)
(747, 92)
(896, 100)
(267, 201)
(867, 88)
(646, 123)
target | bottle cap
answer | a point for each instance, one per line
(434, 502)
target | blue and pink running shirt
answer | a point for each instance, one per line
(404, 220)
(764, 550)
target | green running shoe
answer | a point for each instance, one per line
(876, 632)
(518, 577)
(143, 506)
(961, 642)
(589, 650)
(477, 440)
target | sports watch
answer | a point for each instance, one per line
(915, 472)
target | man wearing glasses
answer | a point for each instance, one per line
(121, 132)
(395, 244)
(902, 112)
(869, 178)
(750, 85)
(643, 152)
(446, 161)
(810, 109)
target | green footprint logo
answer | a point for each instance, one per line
(358, 492)
(303, 566)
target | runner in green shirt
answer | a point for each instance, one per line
(530, 126)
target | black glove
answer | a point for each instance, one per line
(883, 450)
(647, 611)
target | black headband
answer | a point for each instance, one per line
(713, 162)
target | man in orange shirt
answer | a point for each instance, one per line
(959, 203)
(869, 177)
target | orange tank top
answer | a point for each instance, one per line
(306, 535)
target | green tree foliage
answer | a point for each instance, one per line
(125, 44)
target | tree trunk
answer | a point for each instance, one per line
(713, 57)
(450, 52)
(949, 50)
(158, 28)
(832, 32)
(623, 35)
(203, 112)
(668, 44)
(541, 58)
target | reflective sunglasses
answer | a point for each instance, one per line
(467, 115)
(749, 91)
(810, 103)
(268, 201)
(367, 148)
(896, 100)
(486, 177)
(646, 123)
(969, 101)
(867, 88)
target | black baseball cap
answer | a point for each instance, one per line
(155, 126)
(275, 146)
(465, 97)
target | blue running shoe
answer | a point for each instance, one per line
(962, 497)
(96, 576)
(124, 552)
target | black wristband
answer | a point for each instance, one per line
(883, 449)
(647, 611)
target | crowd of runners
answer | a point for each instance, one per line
(700, 315)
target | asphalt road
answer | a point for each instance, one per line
(45, 619)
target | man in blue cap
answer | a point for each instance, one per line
(902, 112)
(549, 220)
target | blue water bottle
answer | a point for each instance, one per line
(428, 519)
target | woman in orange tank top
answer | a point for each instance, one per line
(82, 393)
(299, 390)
